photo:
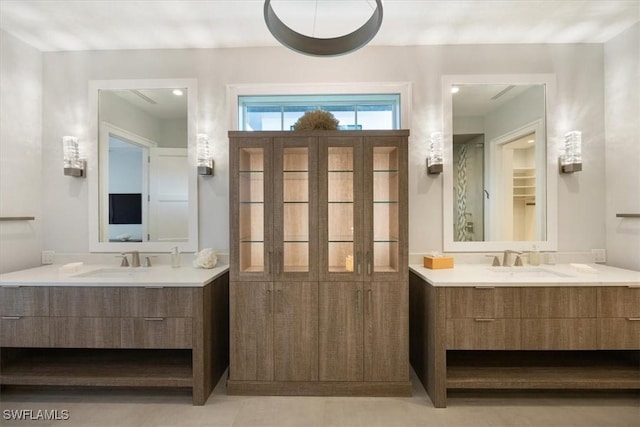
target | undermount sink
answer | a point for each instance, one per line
(106, 273)
(534, 272)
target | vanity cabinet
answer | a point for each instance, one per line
(619, 317)
(156, 336)
(524, 337)
(319, 299)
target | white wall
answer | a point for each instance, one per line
(622, 118)
(20, 153)
(579, 104)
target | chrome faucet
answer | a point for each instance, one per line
(506, 258)
(135, 258)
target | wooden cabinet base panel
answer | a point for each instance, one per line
(328, 388)
(119, 368)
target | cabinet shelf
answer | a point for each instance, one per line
(251, 241)
(100, 367)
(386, 202)
(251, 171)
(543, 370)
(385, 241)
(295, 241)
(341, 171)
(337, 202)
(302, 202)
(385, 171)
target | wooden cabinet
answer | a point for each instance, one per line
(107, 336)
(24, 315)
(619, 317)
(529, 337)
(319, 223)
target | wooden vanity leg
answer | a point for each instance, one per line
(436, 346)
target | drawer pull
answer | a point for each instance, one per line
(484, 320)
(484, 287)
(10, 286)
(634, 319)
(10, 317)
(633, 286)
(154, 287)
(154, 319)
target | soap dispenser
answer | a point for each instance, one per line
(175, 257)
(534, 255)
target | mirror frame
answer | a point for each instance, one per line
(551, 155)
(95, 86)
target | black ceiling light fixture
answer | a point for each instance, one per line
(323, 46)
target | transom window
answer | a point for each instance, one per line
(358, 111)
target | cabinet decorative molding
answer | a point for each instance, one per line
(560, 337)
(319, 263)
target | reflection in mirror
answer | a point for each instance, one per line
(144, 191)
(498, 159)
(143, 165)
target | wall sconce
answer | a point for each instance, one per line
(205, 159)
(434, 159)
(73, 164)
(571, 160)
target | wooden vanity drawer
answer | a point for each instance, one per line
(85, 301)
(85, 332)
(16, 331)
(562, 302)
(157, 332)
(619, 333)
(619, 301)
(559, 334)
(157, 302)
(24, 301)
(483, 302)
(483, 334)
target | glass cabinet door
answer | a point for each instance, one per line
(386, 208)
(251, 209)
(385, 211)
(296, 208)
(341, 216)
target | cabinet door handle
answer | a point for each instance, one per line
(11, 317)
(368, 263)
(154, 287)
(267, 261)
(279, 302)
(634, 319)
(268, 299)
(484, 287)
(10, 286)
(484, 320)
(358, 301)
(358, 261)
(278, 262)
(370, 301)
(153, 319)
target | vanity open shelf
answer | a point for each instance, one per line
(97, 367)
(543, 369)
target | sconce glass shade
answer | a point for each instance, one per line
(73, 164)
(205, 159)
(435, 157)
(571, 160)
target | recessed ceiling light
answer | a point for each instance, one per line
(177, 92)
(455, 89)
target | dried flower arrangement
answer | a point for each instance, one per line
(316, 120)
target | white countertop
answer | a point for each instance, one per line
(543, 275)
(108, 275)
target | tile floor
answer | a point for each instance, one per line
(160, 408)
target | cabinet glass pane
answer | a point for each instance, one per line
(295, 215)
(251, 209)
(340, 209)
(385, 209)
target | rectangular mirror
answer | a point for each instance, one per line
(499, 192)
(144, 189)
